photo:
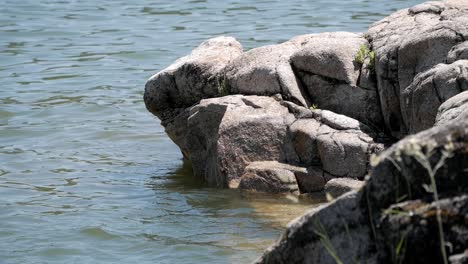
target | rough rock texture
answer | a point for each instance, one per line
(275, 177)
(458, 52)
(227, 133)
(310, 69)
(307, 239)
(333, 80)
(335, 142)
(266, 71)
(412, 223)
(221, 136)
(410, 42)
(270, 176)
(454, 108)
(393, 216)
(421, 99)
(339, 186)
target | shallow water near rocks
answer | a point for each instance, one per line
(87, 175)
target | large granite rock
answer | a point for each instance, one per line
(265, 138)
(394, 217)
(410, 42)
(222, 136)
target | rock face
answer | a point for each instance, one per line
(410, 42)
(394, 217)
(222, 136)
(225, 134)
(421, 99)
(191, 78)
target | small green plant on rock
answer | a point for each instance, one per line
(363, 54)
(314, 107)
(223, 89)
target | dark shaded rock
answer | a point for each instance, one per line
(324, 235)
(410, 229)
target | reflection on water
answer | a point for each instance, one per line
(87, 175)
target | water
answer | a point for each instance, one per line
(87, 175)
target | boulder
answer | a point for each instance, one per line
(328, 234)
(334, 80)
(266, 71)
(414, 226)
(276, 177)
(393, 218)
(458, 52)
(429, 89)
(339, 144)
(225, 134)
(269, 176)
(190, 78)
(339, 186)
(454, 108)
(410, 42)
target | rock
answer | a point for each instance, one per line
(191, 78)
(313, 180)
(421, 99)
(339, 186)
(329, 73)
(401, 173)
(330, 55)
(275, 177)
(393, 215)
(318, 68)
(454, 108)
(325, 234)
(346, 154)
(458, 52)
(414, 226)
(459, 258)
(270, 176)
(402, 42)
(225, 134)
(336, 142)
(266, 71)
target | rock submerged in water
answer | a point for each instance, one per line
(312, 113)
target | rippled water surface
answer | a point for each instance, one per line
(87, 175)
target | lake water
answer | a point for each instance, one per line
(87, 175)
